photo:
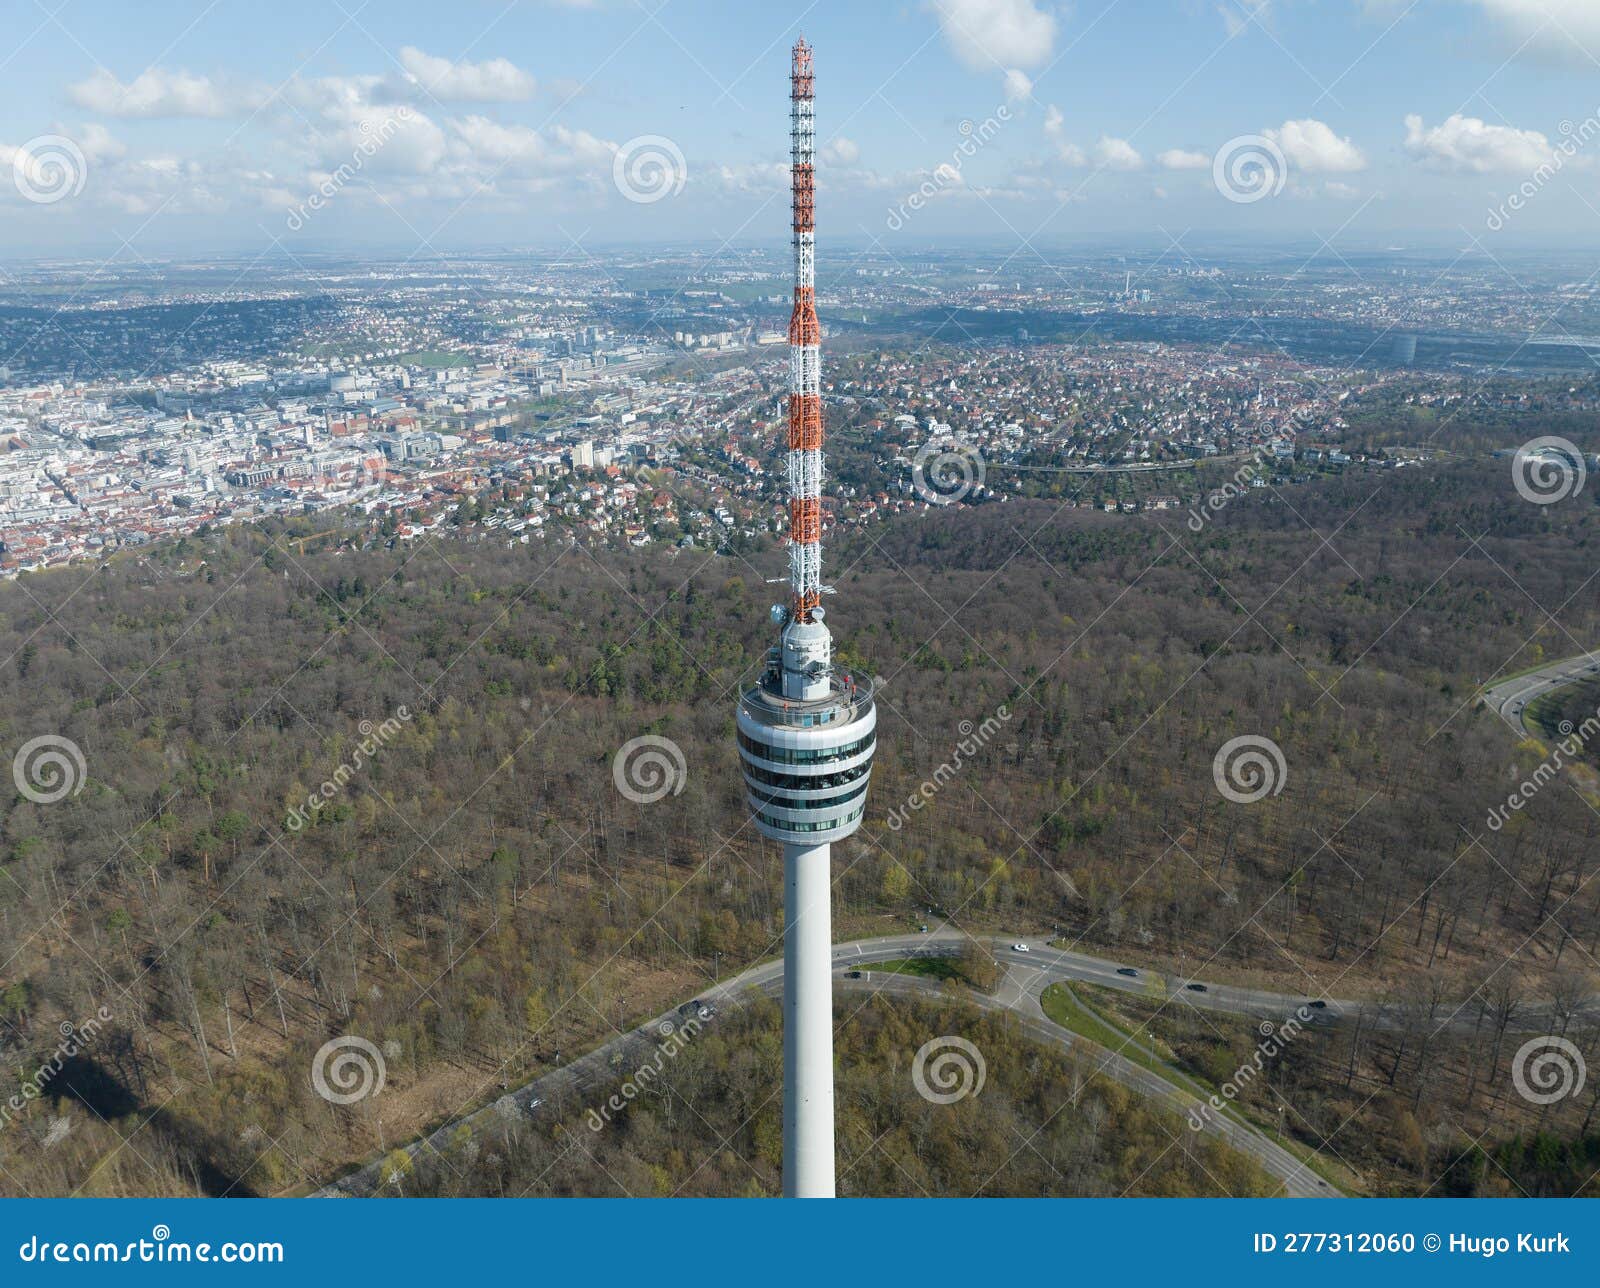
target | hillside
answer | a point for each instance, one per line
(474, 896)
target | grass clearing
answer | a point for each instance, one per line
(1086, 1005)
(928, 967)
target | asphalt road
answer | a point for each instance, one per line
(1028, 974)
(1510, 698)
(1060, 964)
(1020, 993)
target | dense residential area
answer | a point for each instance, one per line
(542, 401)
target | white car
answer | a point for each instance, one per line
(1021, 948)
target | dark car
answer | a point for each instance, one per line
(1317, 1004)
(1195, 988)
(1128, 971)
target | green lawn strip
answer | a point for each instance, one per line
(1545, 710)
(928, 967)
(1063, 1005)
(1180, 1075)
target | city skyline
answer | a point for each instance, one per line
(1467, 124)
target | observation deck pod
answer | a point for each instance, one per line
(806, 761)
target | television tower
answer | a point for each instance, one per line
(806, 729)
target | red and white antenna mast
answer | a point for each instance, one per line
(805, 354)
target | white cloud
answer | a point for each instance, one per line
(520, 150)
(157, 92)
(755, 178)
(1313, 146)
(1568, 30)
(994, 35)
(144, 185)
(1466, 143)
(841, 151)
(1055, 129)
(390, 141)
(500, 145)
(1117, 154)
(1182, 159)
(337, 98)
(97, 144)
(1236, 15)
(583, 147)
(1018, 86)
(1344, 191)
(366, 134)
(495, 81)
(415, 157)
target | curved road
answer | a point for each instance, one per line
(1063, 965)
(1020, 992)
(1028, 974)
(1509, 699)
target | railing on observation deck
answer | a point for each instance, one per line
(848, 699)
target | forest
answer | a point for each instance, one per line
(474, 897)
(1045, 1124)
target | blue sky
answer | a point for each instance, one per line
(233, 126)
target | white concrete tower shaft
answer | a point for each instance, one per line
(807, 1022)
